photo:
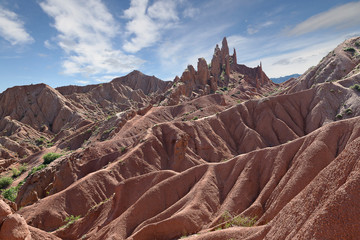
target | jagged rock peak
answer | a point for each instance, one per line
(224, 48)
(234, 58)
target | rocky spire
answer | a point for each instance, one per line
(224, 49)
(203, 74)
(216, 63)
(234, 58)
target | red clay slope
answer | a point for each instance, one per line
(163, 183)
(296, 190)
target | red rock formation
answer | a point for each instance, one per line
(234, 58)
(14, 227)
(335, 66)
(220, 74)
(196, 165)
(203, 74)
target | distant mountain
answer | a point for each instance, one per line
(285, 78)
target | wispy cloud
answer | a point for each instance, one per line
(12, 28)
(106, 78)
(146, 23)
(83, 82)
(178, 52)
(251, 29)
(86, 30)
(296, 61)
(346, 15)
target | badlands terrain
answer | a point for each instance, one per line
(221, 152)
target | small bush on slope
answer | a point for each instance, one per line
(356, 87)
(49, 157)
(5, 181)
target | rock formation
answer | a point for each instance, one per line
(219, 74)
(147, 159)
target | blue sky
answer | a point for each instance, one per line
(77, 42)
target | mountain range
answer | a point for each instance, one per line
(284, 78)
(220, 152)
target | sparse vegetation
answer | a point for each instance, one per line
(349, 49)
(357, 44)
(222, 76)
(5, 182)
(10, 193)
(195, 118)
(40, 141)
(109, 130)
(348, 111)
(70, 220)
(123, 149)
(356, 87)
(339, 116)
(109, 117)
(18, 171)
(50, 157)
(231, 221)
(224, 89)
(36, 169)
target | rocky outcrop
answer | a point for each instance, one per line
(336, 65)
(36, 106)
(14, 227)
(219, 74)
(136, 80)
(134, 90)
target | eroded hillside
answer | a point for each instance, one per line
(219, 153)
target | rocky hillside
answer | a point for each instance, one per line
(219, 153)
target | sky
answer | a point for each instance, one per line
(80, 42)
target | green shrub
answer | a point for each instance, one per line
(349, 49)
(243, 221)
(231, 221)
(10, 193)
(70, 220)
(40, 141)
(339, 116)
(195, 118)
(356, 87)
(123, 149)
(17, 172)
(5, 182)
(109, 130)
(49, 157)
(224, 89)
(348, 111)
(36, 169)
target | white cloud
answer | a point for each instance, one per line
(106, 78)
(343, 16)
(146, 24)
(86, 30)
(283, 56)
(176, 53)
(49, 45)
(191, 12)
(296, 61)
(12, 28)
(254, 29)
(83, 82)
(163, 10)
